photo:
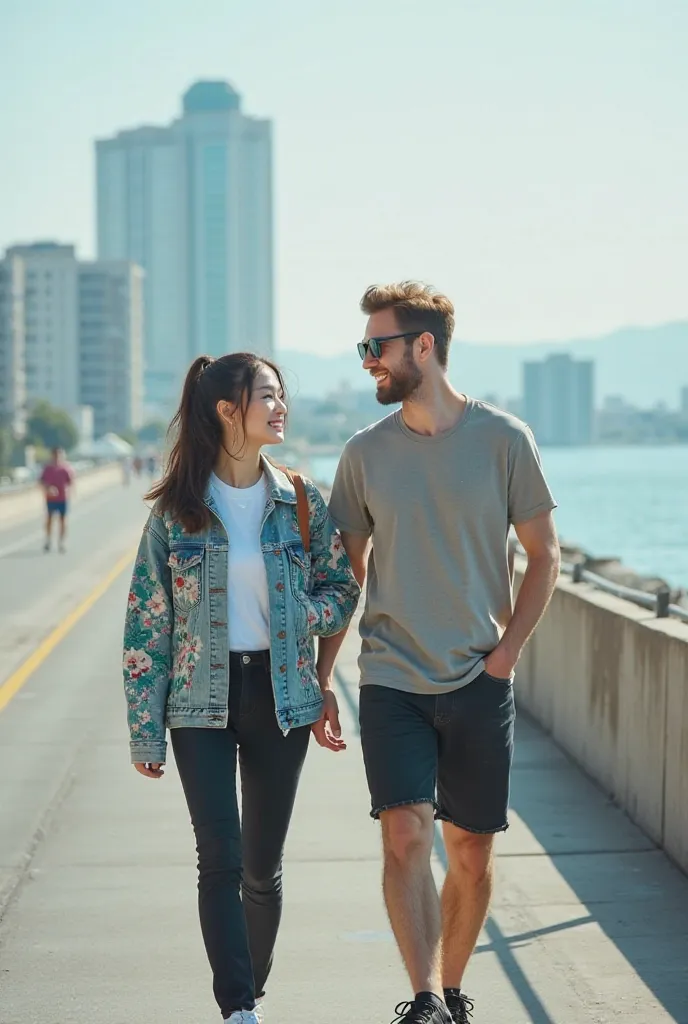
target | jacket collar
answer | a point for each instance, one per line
(280, 486)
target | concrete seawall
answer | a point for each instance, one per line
(610, 682)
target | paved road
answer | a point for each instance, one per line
(589, 924)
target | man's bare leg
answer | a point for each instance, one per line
(410, 893)
(63, 532)
(48, 529)
(465, 898)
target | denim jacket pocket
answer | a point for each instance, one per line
(186, 566)
(299, 584)
(299, 570)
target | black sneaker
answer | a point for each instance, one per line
(426, 1008)
(459, 1005)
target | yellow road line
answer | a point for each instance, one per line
(13, 685)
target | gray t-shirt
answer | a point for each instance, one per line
(439, 510)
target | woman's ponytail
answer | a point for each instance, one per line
(197, 434)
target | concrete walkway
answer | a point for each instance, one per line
(589, 923)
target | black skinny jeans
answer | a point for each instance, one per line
(240, 860)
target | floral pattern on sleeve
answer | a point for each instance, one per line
(147, 645)
(334, 593)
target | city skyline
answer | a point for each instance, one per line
(71, 336)
(50, 304)
(191, 203)
(527, 165)
(558, 400)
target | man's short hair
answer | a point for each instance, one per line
(418, 307)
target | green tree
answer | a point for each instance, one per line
(50, 427)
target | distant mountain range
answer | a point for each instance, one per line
(644, 365)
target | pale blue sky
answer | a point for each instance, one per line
(530, 157)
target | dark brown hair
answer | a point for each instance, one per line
(198, 432)
(416, 307)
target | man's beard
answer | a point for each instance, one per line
(401, 385)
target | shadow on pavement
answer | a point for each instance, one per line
(628, 887)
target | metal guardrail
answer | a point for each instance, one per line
(659, 603)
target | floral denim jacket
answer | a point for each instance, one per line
(176, 644)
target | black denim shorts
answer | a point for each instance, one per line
(453, 750)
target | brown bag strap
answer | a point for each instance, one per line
(302, 512)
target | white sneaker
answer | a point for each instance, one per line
(245, 1017)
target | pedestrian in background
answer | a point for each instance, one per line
(57, 481)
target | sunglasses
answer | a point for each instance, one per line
(375, 344)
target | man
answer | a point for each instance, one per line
(436, 486)
(56, 480)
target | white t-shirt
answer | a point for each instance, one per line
(241, 510)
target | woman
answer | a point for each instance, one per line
(225, 600)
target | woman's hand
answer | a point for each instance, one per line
(327, 731)
(152, 770)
